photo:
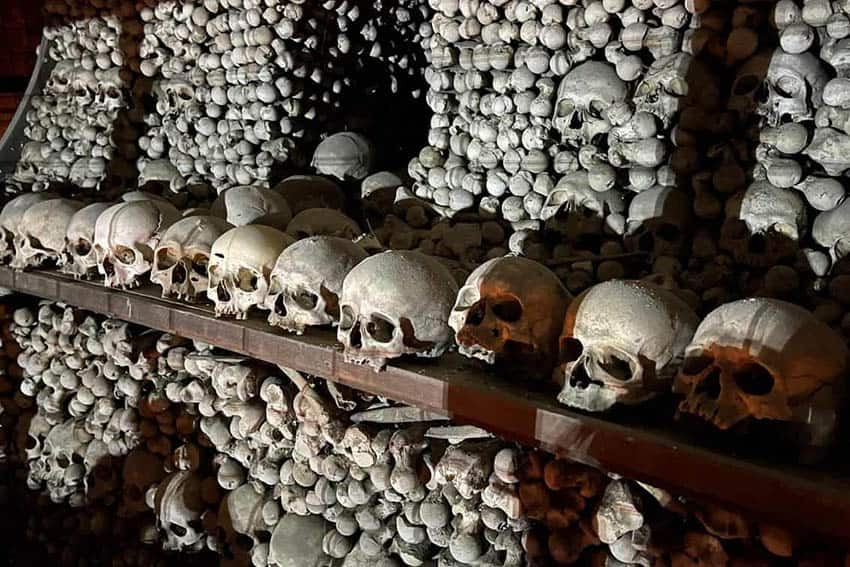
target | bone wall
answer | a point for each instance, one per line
(220, 454)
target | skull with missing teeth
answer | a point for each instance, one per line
(41, 234)
(182, 258)
(125, 237)
(306, 282)
(240, 266)
(621, 343)
(583, 95)
(765, 359)
(10, 219)
(395, 303)
(80, 259)
(510, 311)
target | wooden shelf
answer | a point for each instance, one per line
(812, 499)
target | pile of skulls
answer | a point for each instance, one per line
(78, 129)
(13, 404)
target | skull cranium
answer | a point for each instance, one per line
(80, 259)
(41, 233)
(584, 93)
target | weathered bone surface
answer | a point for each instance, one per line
(79, 257)
(40, 238)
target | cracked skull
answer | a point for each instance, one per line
(583, 95)
(509, 311)
(306, 282)
(183, 255)
(125, 237)
(764, 359)
(620, 343)
(395, 303)
(240, 267)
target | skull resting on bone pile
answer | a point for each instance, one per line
(764, 225)
(621, 343)
(306, 282)
(658, 221)
(79, 258)
(395, 303)
(310, 192)
(125, 237)
(831, 230)
(319, 222)
(664, 86)
(783, 87)
(574, 209)
(583, 95)
(41, 233)
(182, 258)
(178, 505)
(247, 204)
(510, 312)
(240, 266)
(10, 219)
(161, 173)
(344, 155)
(765, 359)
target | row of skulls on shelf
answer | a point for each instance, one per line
(618, 342)
(206, 450)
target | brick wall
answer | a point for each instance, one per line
(20, 32)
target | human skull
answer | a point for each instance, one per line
(793, 82)
(172, 95)
(182, 257)
(246, 204)
(41, 233)
(58, 461)
(178, 505)
(241, 514)
(764, 358)
(395, 303)
(344, 155)
(310, 192)
(163, 173)
(663, 87)
(306, 282)
(764, 225)
(319, 222)
(583, 95)
(586, 210)
(240, 267)
(658, 221)
(621, 343)
(831, 230)
(125, 237)
(80, 259)
(510, 312)
(10, 219)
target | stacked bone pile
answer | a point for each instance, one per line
(13, 404)
(78, 130)
(241, 87)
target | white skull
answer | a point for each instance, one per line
(583, 95)
(310, 192)
(161, 172)
(586, 209)
(59, 462)
(765, 359)
(510, 312)
(793, 84)
(241, 514)
(766, 226)
(172, 95)
(621, 343)
(80, 259)
(658, 221)
(10, 219)
(395, 303)
(322, 222)
(306, 282)
(240, 267)
(182, 258)
(41, 233)
(178, 505)
(831, 230)
(344, 155)
(247, 204)
(125, 237)
(663, 86)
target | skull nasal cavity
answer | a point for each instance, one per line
(355, 339)
(279, 306)
(509, 310)
(757, 244)
(179, 274)
(222, 293)
(476, 314)
(710, 386)
(754, 380)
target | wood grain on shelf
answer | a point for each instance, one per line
(809, 499)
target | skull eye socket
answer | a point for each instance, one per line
(82, 247)
(179, 531)
(789, 87)
(200, 265)
(508, 310)
(696, 364)
(596, 108)
(476, 314)
(125, 255)
(247, 280)
(346, 318)
(617, 368)
(565, 107)
(165, 259)
(754, 380)
(380, 330)
(570, 350)
(305, 299)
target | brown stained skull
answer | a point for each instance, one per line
(510, 311)
(764, 359)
